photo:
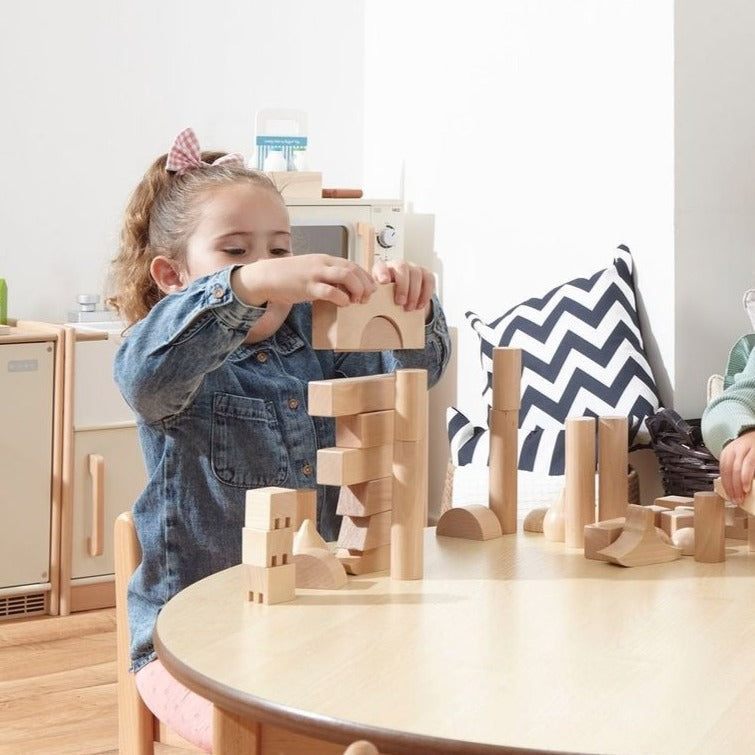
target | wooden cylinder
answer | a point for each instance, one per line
(504, 429)
(613, 465)
(507, 374)
(710, 528)
(579, 496)
(410, 475)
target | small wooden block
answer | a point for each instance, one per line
(366, 498)
(267, 548)
(307, 536)
(364, 533)
(364, 430)
(533, 521)
(318, 568)
(271, 508)
(710, 528)
(276, 585)
(672, 501)
(675, 519)
(684, 538)
(349, 328)
(639, 544)
(657, 511)
(749, 501)
(306, 506)
(367, 562)
(348, 466)
(335, 398)
(473, 522)
(600, 535)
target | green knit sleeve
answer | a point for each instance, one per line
(738, 358)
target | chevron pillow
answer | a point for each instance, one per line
(582, 355)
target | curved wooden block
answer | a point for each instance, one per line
(533, 521)
(473, 522)
(640, 544)
(319, 568)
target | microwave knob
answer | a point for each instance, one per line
(387, 237)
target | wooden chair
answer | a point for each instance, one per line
(138, 729)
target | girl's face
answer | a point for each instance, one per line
(238, 224)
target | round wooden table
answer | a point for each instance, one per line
(510, 644)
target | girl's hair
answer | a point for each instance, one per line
(160, 217)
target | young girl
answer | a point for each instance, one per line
(216, 365)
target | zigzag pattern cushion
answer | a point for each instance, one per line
(582, 355)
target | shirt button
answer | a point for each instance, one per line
(218, 292)
(293, 403)
(262, 357)
(307, 470)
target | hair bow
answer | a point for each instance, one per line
(185, 154)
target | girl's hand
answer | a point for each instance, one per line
(414, 284)
(737, 466)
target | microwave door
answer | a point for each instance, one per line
(320, 239)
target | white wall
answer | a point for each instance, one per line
(93, 90)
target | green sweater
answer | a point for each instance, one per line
(733, 411)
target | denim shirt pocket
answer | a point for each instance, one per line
(247, 443)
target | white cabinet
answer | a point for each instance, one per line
(29, 483)
(103, 470)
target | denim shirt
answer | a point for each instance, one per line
(216, 417)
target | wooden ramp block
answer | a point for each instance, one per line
(366, 498)
(348, 466)
(267, 547)
(276, 585)
(351, 328)
(365, 562)
(318, 568)
(365, 430)
(271, 508)
(710, 528)
(335, 398)
(364, 533)
(473, 522)
(640, 544)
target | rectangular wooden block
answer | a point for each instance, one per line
(657, 511)
(335, 398)
(366, 498)
(600, 535)
(271, 585)
(674, 519)
(363, 533)
(347, 466)
(366, 562)
(710, 528)
(672, 501)
(365, 430)
(267, 548)
(271, 508)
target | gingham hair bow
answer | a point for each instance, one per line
(185, 154)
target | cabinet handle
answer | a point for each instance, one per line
(364, 231)
(97, 472)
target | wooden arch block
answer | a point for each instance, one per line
(473, 522)
(319, 568)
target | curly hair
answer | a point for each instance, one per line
(160, 216)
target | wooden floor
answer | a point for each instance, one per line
(57, 686)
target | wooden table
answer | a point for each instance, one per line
(508, 644)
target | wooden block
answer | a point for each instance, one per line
(271, 585)
(306, 506)
(473, 522)
(365, 430)
(507, 372)
(533, 521)
(503, 481)
(599, 535)
(349, 328)
(657, 511)
(298, 184)
(579, 478)
(675, 519)
(672, 501)
(736, 522)
(748, 504)
(553, 521)
(684, 538)
(271, 508)
(267, 548)
(318, 568)
(411, 402)
(334, 398)
(710, 528)
(348, 466)
(366, 498)
(364, 533)
(613, 462)
(307, 536)
(639, 544)
(366, 562)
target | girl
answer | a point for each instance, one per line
(216, 364)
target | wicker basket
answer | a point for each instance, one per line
(686, 465)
